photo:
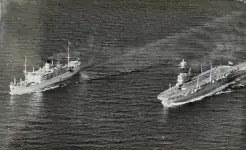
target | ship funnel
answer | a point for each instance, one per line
(47, 64)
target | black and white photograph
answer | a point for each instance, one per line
(122, 74)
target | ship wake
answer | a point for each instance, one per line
(50, 87)
(54, 86)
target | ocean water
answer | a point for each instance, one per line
(130, 50)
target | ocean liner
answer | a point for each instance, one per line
(45, 76)
(189, 89)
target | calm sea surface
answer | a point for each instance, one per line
(132, 49)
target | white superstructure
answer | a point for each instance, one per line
(45, 76)
(183, 75)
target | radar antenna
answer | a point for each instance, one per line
(183, 64)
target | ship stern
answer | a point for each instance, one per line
(17, 90)
(13, 90)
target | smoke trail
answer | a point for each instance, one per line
(212, 41)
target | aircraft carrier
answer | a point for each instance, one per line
(189, 89)
(45, 76)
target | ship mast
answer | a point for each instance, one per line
(68, 56)
(25, 71)
(201, 69)
(197, 83)
(210, 75)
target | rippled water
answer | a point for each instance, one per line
(132, 48)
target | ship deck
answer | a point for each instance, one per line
(201, 79)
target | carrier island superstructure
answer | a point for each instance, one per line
(45, 76)
(188, 89)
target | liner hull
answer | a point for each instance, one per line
(19, 90)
